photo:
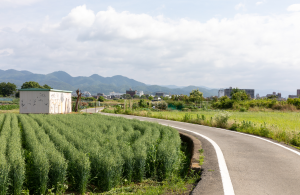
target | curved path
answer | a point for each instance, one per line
(255, 165)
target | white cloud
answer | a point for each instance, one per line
(6, 52)
(240, 6)
(294, 8)
(250, 50)
(259, 3)
(78, 17)
(13, 3)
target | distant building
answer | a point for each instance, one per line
(139, 93)
(86, 94)
(257, 96)
(250, 92)
(221, 93)
(278, 95)
(293, 96)
(114, 95)
(159, 94)
(131, 92)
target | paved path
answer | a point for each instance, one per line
(255, 165)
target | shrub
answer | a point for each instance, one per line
(222, 119)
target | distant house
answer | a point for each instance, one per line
(131, 92)
(45, 101)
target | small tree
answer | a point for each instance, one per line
(136, 97)
(240, 95)
(143, 97)
(101, 99)
(196, 96)
(150, 98)
(6, 89)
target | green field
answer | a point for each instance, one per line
(77, 152)
(288, 121)
(277, 125)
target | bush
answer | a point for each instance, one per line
(222, 119)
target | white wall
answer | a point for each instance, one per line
(34, 102)
(60, 103)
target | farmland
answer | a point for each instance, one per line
(76, 152)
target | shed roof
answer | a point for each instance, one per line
(40, 89)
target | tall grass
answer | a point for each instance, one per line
(42, 152)
(277, 125)
(15, 158)
(4, 165)
(79, 164)
(58, 164)
(37, 162)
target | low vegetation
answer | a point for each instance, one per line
(81, 153)
(278, 125)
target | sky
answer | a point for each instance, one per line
(216, 43)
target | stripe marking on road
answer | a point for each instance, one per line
(226, 181)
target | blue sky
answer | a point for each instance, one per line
(217, 43)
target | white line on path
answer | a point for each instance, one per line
(227, 185)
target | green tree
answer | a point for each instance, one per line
(142, 103)
(101, 99)
(143, 97)
(30, 84)
(6, 89)
(33, 84)
(234, 90)
(196, 95)
(136, 97)
(240, 95)
(150, 98)
(47, 87)
(272, 97)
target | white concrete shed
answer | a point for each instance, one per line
(45, 101)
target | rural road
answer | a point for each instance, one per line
(256, 165)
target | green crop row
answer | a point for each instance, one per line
(40, 152)
(9, 107)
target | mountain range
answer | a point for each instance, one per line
(95, 83)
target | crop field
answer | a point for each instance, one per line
(40, 152)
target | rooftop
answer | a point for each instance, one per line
(40, 89)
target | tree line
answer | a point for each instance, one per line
(8, 89)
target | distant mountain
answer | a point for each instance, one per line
(95, 83)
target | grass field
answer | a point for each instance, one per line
(288, 121)
(277, 125)
(87, 152)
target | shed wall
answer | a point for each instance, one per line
(35, 102)
(60, 103)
